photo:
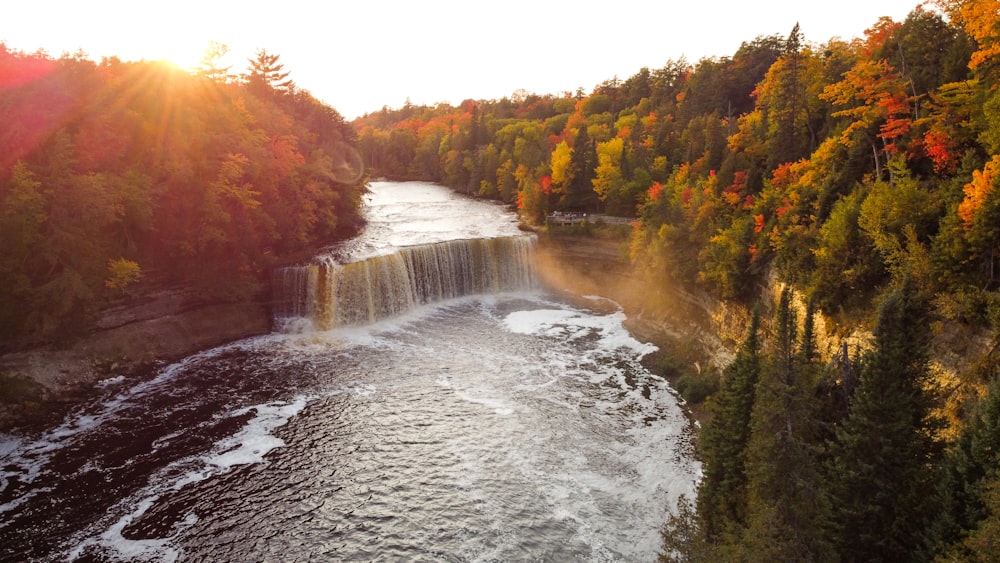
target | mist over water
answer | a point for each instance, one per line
(501, 427)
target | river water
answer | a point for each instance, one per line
(510, 425)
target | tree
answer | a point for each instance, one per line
(722, 493)
(787, 503)
(609, 182)
(877, 105)
(581, 194)
(266, 74)
(965, 490)
(560, 163)
(122, 273)
(210, 65)
(980, 215)
(884, 450)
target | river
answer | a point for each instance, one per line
(472, 417)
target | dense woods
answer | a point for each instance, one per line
(864, 175)
(111, 171)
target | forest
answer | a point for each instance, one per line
(112, 172)
(862, 174)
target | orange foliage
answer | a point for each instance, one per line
(784, 176)
(758, 223)
(546, 184)
(877, 35)
(655, 190)
(978, 190)
(782, 209)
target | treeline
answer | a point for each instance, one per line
(842, 165)
(865, 174)
(111, 170)
(806, 460)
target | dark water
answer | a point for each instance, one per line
(509, 427)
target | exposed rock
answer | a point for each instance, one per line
(161, 325)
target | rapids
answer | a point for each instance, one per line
(492, 421)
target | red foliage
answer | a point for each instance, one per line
(938, 146)
(656, 189)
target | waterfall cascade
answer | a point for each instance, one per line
(331, 294)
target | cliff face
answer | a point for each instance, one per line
(596, 265)
(584, 265)
(158, 324)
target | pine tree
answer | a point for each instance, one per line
(962, 487)
(882, 453)
(722, 496)
(580, 194)
(787, 506)
(267, 74)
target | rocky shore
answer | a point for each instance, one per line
(155, 325)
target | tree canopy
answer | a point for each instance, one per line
(112, 170)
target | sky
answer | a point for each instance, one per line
(363, 55)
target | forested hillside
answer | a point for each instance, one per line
(866, 175)
(112, 170)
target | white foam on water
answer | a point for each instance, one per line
(30, 458)
(108, 382)
(499, 406)
(247, 446)
(577, 324)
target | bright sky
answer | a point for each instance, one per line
(361, 55)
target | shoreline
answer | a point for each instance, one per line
(159, 325)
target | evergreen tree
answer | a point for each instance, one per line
(962, 488)
(580, 194)
(787, 506)
(210, 66)
(267, 74)
(722, 496)
(882, 454)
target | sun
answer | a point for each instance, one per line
(183, 56)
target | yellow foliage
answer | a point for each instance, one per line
(122, 273)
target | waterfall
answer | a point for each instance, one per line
(331, 294)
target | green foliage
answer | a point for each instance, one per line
(964, 498)
(696, 387)
(886, 447)
(18, 390)
(787, 505)
(852, 170)
(722, 494)
(847, 266)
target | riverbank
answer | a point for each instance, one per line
(684, 327)
(155, 324)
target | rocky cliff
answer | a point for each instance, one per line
(155, 324)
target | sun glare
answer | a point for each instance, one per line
(184, 57)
